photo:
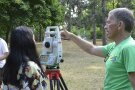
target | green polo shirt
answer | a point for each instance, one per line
(120, 59)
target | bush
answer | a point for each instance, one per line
(88, 34)
(81, 32)
(98, 33)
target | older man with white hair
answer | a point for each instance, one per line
(119, 55)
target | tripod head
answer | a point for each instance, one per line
(51, 54)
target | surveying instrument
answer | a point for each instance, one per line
(51, 56)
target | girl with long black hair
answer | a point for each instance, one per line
(23, 70)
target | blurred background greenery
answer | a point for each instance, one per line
(86, 18)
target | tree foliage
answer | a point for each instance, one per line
(34, 13)
(85, 15)
(91, 13)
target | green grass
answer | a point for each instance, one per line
(81, 71)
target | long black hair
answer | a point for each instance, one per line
(22, 49)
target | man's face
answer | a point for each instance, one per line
(111, 27)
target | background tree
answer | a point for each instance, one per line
(85, 18)
(91, 15)
(34, 13)
(104, 38)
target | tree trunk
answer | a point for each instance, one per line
(7, 35)
(104, 38)
(40, 33)
(94, 32)
(94, 24)
(69, 22)
(8, 31)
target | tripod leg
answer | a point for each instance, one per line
(61, 86)
(58, 84)
(62, 80)
(51, 84)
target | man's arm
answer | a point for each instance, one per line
(132, 79)
(4, 56)
(83, 44)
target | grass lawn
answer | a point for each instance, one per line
(81, 71)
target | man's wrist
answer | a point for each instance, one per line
(71, 35)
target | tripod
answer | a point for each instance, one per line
(55, 78)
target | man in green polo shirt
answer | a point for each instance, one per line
(119, 55)
(120, 61)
